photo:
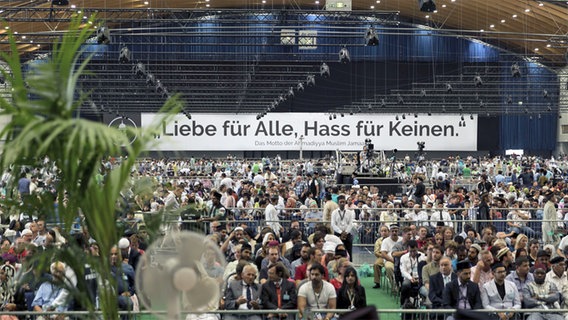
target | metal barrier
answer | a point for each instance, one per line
(385, 314)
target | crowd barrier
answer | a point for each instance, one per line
(384, 314)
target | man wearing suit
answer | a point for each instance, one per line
(278, 293)
(437, 284)
(243, 295)
(500, 294)
(462, 294)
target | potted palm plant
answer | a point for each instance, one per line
(43, 107)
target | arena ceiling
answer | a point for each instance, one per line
(536, 30)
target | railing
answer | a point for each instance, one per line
(385, 314)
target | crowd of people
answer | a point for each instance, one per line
(463, 234)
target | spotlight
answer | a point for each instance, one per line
(396, 118)
(103, 35)
(449, 88)
(471, 117)
(330, 117)
(427, 5)
(150, 79)
(159, 87)
(300, 87)
(423, 93)
(477, 81)
(125, 55)
(371, 37)
(334, 116)
(403, 116)
(324, 70)
(351, 112)
(515, 70)
(344, 55)
(281, 98)
(416, 115)
(291, 92)
(139, 70)
(311, 80)
(342, 114)
(481, 104)
(258, 117)
(429, 113)
(461, 117)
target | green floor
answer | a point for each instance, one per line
(381, 299)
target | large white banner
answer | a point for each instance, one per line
(314, 131)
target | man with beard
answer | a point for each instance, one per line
(473, 254)
(244, 253)
(558, 276)
(549, 219)
(541, 294)
(462, 294)
(304, 258)
(317, 293)
(342, 224)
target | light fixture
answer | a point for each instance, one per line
(125, 55)
(515, 70)
(324, 70)
(311, 80)
(371, 37)
(427, 5)
(103, 35)
(514, 16)
(477, 81)
(344, 55)
(503, 20)
(527, 10)
(403, 116)
(492, 26)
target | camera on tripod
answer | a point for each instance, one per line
(370, 148)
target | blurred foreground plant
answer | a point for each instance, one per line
(43, 108)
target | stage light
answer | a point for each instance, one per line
(344, 55)
(300, 87)
(330, 117)
(471, 117)
(371, 37)
(334, 116)
(324, 70)
(139, 70)
(515, 70)
(103, 35)
(427, 5)
(150, 79)
(311, 80)
(477, 81)
(291, 92)
(125, 55)
(403, 116)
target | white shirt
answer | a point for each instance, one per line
(271, 218)
(445, 217)
(409, 265)
(342, 221)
